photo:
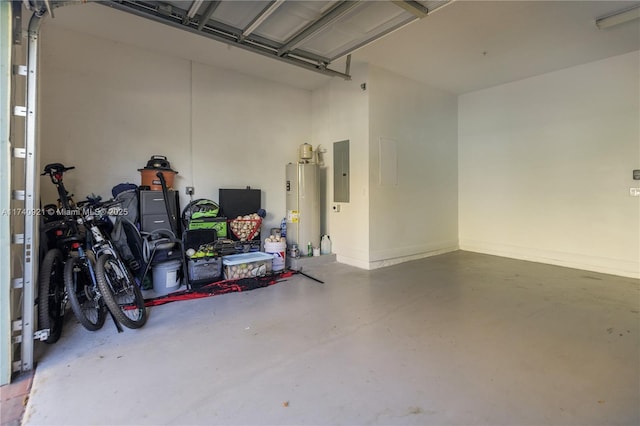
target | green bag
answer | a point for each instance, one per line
(199, 209)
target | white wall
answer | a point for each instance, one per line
(417, 216)
(370, 231)
(341, 112)
(106, 107)
(245, 131)
(545, 168)
(544, 163)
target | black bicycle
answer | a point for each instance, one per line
(51, 300)
(59, 232)
(66, 271)
(94, 276)
(113, 280)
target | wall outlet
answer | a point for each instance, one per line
(634, 192)
(189, 190)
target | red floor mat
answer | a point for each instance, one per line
(220, 287)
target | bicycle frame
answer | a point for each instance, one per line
(56, 172)
(101, 244)
(88, 234)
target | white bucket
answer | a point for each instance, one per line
(165, 277)
(278, 250)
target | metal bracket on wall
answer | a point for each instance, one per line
(20, 70)
(18, 194)
(38, 335)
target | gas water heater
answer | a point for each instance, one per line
(303, 200)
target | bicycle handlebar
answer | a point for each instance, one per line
(52, 168)
(96, 207)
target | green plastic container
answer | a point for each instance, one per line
(217, 223)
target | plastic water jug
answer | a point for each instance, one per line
(325, 245)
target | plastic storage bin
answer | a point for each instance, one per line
(204, 271)
(246, 265)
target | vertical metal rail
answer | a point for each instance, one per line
(30, 219)
(5, 190)
(28, 283)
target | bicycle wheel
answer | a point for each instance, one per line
(86, 303)
(51, 294)
(120, 291)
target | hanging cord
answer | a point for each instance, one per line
(150, 246)
(160, 239)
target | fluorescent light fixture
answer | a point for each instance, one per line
(617, 18)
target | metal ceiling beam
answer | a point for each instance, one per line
(49, 8)
(220, 32)
(413, 7)
(261, 17)
(193, 9)
(619, 17)
(213, 5)
(167, 14)
(270, 44)
(308, 32)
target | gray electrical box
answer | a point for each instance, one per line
(341, 172)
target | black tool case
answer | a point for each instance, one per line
(206, 266)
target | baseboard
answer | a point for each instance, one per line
(398, 255)
(603, 265)
(358, 263)
(397, 260)
(402, 251)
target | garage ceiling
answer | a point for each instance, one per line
(465, 46)
(311, 34)
(471, 45)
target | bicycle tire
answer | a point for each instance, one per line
(121, 294)
(51, 294)
(87, 306)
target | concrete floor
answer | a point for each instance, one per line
(13, 399)
(460, 338)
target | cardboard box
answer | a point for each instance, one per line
(247, 265)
